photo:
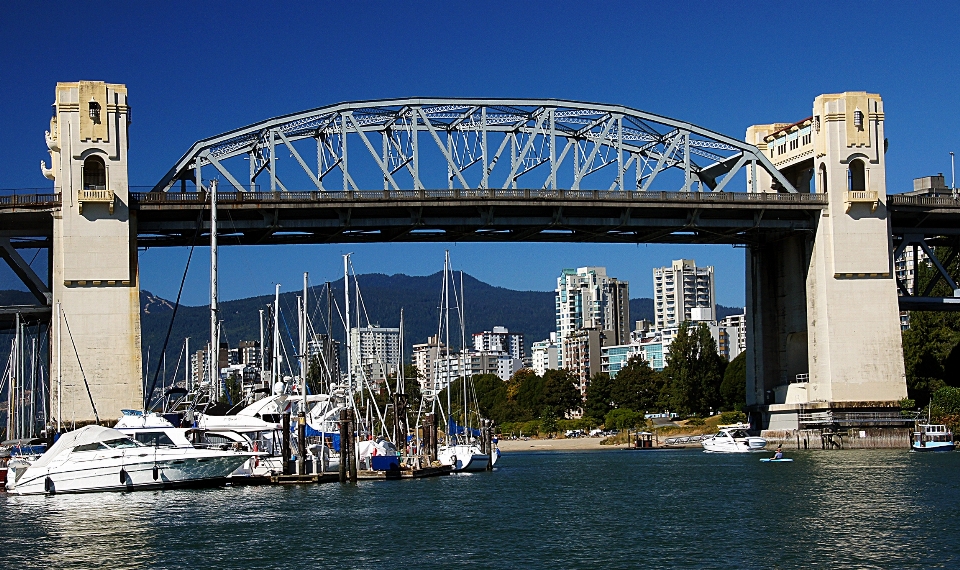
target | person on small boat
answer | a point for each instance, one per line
(779, 453)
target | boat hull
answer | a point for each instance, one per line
(464, 458)
(122, 474)
(749, 445)
(932, 446)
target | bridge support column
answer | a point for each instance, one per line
(94, 277)
(840, 280)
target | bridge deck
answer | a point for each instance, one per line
(170, 219)
(476, 215)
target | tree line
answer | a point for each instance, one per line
(696, 381)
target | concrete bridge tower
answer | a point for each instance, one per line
(823, 314)
(94, 270)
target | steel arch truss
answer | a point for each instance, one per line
(472, 144)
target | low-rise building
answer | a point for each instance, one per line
(545, 355)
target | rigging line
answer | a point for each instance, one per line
(80, 364)
(176, 306)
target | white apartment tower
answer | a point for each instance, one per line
(375, 351)
(499, 340)
(588, 298)
(681, 288)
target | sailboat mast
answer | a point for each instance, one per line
(11, 399)
(346, 326)
(463, 348)
(446, 306)
(275, 359)
(304, 362)
(214, 352)
(400, 383)
(187, 383)
(59, 364)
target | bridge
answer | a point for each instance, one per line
(807, 199)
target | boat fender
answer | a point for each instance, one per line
(156, 472)
(123, 476)
(48, 485)
(453, 460)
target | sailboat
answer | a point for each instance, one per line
(463, 449)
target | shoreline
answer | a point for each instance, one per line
(565, 444)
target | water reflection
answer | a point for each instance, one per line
(618, 509)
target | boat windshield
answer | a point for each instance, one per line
(154, 438)
(120, 443)
(739, 433)
(90, 446)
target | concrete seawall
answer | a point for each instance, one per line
(866, 438)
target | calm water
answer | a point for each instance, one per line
(606, 509)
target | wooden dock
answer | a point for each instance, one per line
(404, 473)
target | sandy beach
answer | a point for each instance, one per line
(572, 444)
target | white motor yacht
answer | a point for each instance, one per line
(95, 458)
(153, 429)
(732, 440)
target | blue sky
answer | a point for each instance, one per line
(196, 69)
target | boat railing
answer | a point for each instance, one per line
(831, 417)
(686, 439)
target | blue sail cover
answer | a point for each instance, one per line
(454, 429)
(335, 437)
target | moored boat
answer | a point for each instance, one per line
(95, 458)
(730, 440)
(932, 437)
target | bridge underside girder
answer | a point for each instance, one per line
(348, 221)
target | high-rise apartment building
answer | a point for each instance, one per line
(737, 329)
(582, 355)
(681, 288)
(587, 298)
(374, 352)
(499, 340)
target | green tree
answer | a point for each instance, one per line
(622, 418)
(233, 386)
(560, 391)
(599, 401)
(492, 397)
(548, 420)
(733, 389)
(931, 346)
(637, 386)
(525, 390)
(694, 371)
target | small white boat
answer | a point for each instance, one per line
(467, 456)
(932, 437)
(95, 458)
(731, 440)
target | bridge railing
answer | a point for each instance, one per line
(852, 418)
(457, 194)
(905, 200)
(32, 200)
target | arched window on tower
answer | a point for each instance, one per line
(823, 179)
(94, 174)
(856, 179)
